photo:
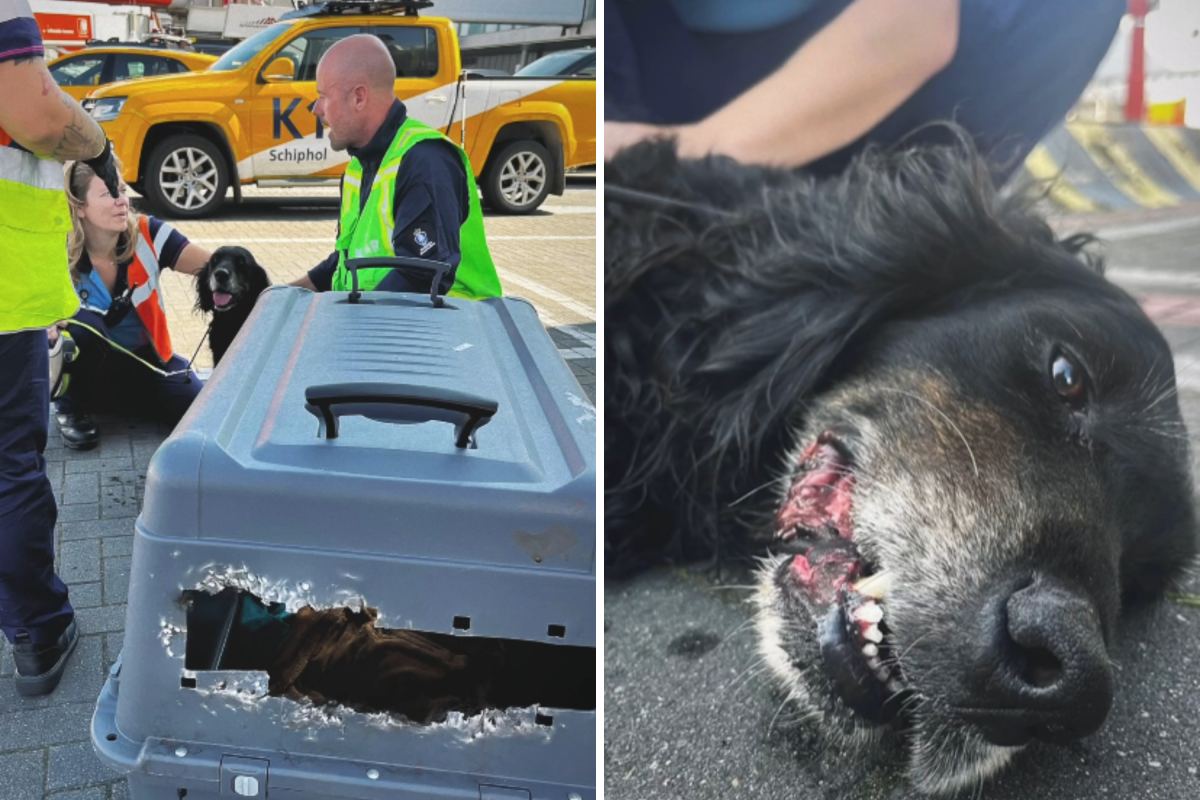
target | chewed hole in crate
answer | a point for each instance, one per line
(339, 656)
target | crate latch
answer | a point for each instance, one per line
(244, 777)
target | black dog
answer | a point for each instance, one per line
(957, 444)
(228, 287)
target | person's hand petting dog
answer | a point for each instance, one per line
(619, 135)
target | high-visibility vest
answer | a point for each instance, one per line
(147, 297)
(35, 281)
(369, 233)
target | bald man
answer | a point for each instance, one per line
(407, 191)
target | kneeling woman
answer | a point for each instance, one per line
(116, 255)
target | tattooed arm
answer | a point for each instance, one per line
(41, 117)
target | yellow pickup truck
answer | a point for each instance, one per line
(185, 139)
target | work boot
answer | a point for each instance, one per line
(40, 667)
(77, 430)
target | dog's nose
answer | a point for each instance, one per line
(221, 274)
(1045, 673)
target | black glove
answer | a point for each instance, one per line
(106, 169)
(120, 308)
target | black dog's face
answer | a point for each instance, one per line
(974, 439)
(232, 276)
(964, 514)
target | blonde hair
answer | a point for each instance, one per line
(78, 181)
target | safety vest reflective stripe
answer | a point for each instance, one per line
(34, 223)
(370, 232)
(148, 298)
(19, 166)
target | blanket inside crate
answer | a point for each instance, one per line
(339, 656)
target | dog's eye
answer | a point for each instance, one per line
(1069, 380)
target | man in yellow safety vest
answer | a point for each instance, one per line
(407, 191)
(40, 126)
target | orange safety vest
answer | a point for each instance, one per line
(147, 297)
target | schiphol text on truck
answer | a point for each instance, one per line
(185, 139)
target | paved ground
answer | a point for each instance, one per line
(687, 713)
(45, 750)
(547, 257)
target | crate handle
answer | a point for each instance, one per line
(439, 268)
(399, 402)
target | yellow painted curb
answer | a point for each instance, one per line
(1122, 168)
(1169, 141)
(1041, 166)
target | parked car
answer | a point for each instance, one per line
(579, 63)
(103, 63)
(185, 139)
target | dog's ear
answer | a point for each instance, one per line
(744, 287)
(261, 279)
(255, 275)
(204, 299)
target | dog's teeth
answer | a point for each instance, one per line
(894, 685)
(872, 634)
(882, 674)
(874, 664)
(875, 586)
(869, 612)
(870, 650)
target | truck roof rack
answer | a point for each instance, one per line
(334, 8)
(155, 42)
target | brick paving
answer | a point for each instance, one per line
(548, 257)
(45, 751)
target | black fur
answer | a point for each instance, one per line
(750, 290)
(895, 373)
(234, 271)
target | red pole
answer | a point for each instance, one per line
(1135, 98)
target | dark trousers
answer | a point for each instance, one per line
(32, 597)
(105, 379)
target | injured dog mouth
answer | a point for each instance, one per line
(971, 439)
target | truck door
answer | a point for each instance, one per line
(422, 82)
(287, 140)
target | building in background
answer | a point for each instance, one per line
(67, 26)
(503, 36)
(507, 48)
(1172, 70)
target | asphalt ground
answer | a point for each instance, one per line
(548, 257)
(689, 712)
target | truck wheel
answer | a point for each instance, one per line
(186, 177)
(517, 179)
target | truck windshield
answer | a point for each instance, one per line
(244, 52)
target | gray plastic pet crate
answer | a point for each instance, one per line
(488, 532)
